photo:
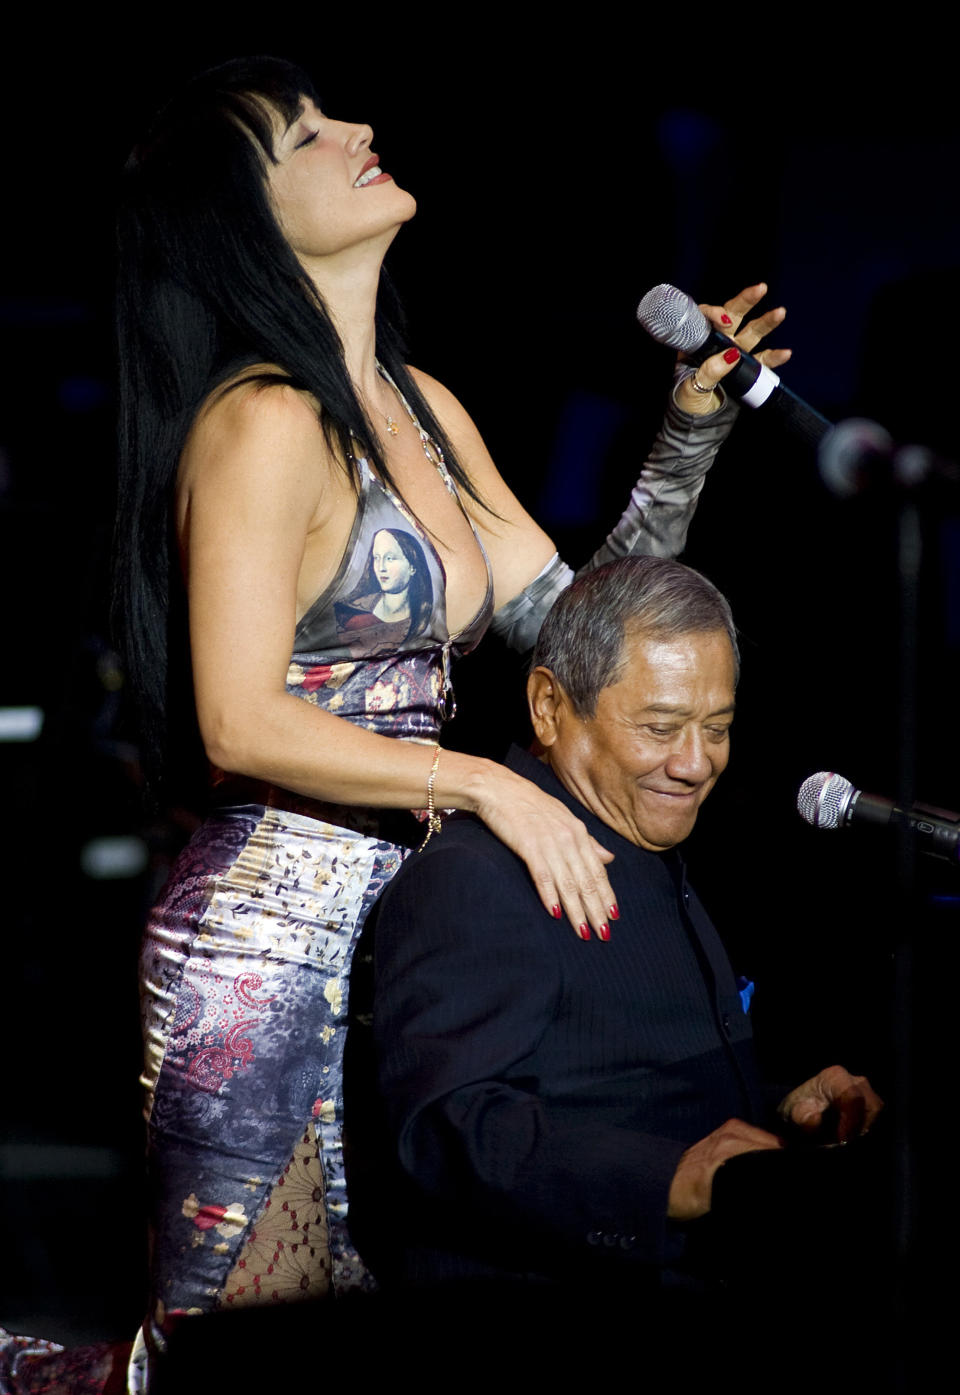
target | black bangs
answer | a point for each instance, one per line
(243, 89)
(272, 80)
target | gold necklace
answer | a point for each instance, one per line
(393, 427)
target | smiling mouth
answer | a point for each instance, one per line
(374, 172)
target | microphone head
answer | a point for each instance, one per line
(853, 455)
(672, 318)
(824, 799)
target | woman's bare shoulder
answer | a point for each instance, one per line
(517, 547)
(465, 437)
(449, 411)
(249, 423)
(257, 401)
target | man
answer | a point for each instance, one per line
(558, 1106)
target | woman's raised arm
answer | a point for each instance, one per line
(528, 574)
(257, 486)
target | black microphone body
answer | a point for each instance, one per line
(750, 382)
(672, 318)
(828, 800)
(937, 829)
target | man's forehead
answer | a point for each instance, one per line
(661, 673)
(697, 648)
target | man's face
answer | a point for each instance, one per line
(660, 737)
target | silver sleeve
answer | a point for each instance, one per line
(518, 622)
(664, 498)
(655, 521)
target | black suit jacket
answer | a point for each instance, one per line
(539, 1090)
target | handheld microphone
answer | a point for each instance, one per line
(672, 318)
(827, 800)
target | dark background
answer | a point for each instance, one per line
(560, 172)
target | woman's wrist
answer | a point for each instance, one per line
(465, 782)
(693, 402)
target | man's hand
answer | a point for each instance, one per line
(834, 1103)
(691, 1191)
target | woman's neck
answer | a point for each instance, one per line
(392, 608)
(348, 285)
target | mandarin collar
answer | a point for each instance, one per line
(540, 774)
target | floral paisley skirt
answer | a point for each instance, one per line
(244, 978)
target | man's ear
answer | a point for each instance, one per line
(546, 700)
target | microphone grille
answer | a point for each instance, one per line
(672, 318)
(824, 798)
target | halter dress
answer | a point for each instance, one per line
(247, 955)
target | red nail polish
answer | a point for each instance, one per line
(731, 356)
(583, 931)
(726, 320)
(604, 931)
(555, 912)
(614, 912)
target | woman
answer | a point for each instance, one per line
(395, 598)
(271, 437)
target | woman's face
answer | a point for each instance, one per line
(328, 188)
(390, 566)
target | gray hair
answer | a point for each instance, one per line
(581, 641)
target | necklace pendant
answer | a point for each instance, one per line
(392, 427)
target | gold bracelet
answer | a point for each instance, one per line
(433, 818)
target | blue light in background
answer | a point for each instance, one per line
(587, 425)
(81, 393)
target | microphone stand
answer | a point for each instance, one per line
(909, 558)
(854, 457)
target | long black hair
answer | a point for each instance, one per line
(207, 286)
